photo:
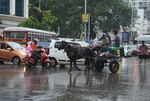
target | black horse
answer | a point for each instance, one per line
(75, 52)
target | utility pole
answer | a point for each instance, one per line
(85, 24)
(39, 4)
(89, 28)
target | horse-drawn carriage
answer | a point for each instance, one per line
(93, 59)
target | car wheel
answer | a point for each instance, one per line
(53, 62)
(46, 65)
(16, 61)
(1, 62)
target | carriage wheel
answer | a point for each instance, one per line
(99, 65)
(53, 62)
(114, 66)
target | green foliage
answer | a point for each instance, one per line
(35, 12)
(110, 15)
(106, 14)
(48, 21)
(40, 19)
(66, 14)
(31, 22)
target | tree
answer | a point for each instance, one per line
(66, 14)
(110, 15)
(48, 21)
(31, 22)
(40, 19)
(107, 15)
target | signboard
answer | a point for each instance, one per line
(85, 17)
(125, 37)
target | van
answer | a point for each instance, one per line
(145, 38)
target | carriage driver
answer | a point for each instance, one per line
(105, 42)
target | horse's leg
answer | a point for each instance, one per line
(92, 63)
(87, 64)
(75, 65)
(70, 65)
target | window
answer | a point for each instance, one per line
(58, 44)
(29, 36)
(4, 46)
(19, 7)
(15, 35)
(4, 6)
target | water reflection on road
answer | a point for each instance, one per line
(130, 84)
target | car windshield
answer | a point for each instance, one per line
(15, 45)
(74, 44)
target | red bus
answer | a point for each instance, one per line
(24, 34)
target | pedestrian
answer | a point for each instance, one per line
(106, 39)
(116, 44)
(116, 41)
(105, 42)
(143, 49)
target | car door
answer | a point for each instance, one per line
(5, 53)
(58, 54)
(1, 51)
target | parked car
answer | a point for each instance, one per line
(145, 38)
(129, 49)
(60, 55)
(139, 39)
(12, 51)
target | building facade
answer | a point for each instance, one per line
(12, 12)
(140, 15)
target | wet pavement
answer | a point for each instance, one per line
(131, 83)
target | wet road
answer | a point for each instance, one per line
(132, 83)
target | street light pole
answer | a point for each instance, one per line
(39, 4)
(85, 25)
(85, 5)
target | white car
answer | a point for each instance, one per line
(60, 55)
(129, 49)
